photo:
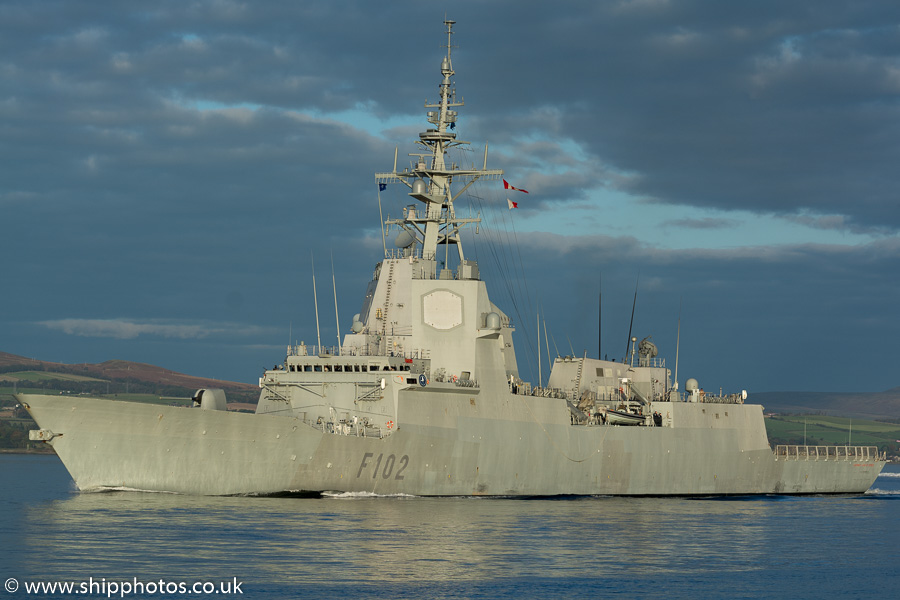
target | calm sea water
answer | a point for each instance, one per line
(406, 547)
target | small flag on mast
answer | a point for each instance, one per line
(506, 186)
(382, 187)
(512, 204)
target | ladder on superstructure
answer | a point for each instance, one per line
(387, 301)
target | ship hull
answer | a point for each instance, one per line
(429, 367)
(447, 445)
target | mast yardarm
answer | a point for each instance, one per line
(430, 177)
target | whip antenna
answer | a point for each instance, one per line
(633, 304)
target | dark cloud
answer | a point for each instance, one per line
(768, 108)
(171, 167)
(771, 108)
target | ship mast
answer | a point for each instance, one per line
(430, 176)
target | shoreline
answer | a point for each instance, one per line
(49, 452)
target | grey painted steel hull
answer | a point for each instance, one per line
(449, 444)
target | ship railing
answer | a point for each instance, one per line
(313, 350)
(400, 330)
(349, 428)
(402, 253)
(466, 383)
(815, 453)
(673, 396)
(369, 350)
(724, 399)
(416, 253)
(524, 388)
(543, 392)
(656, 361)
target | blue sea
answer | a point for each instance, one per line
(146, 545)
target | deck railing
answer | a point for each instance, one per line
(706, 398)
(338, 351)
(846, 453)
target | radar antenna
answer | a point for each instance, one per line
(429, 176)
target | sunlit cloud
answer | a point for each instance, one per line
(125, 329)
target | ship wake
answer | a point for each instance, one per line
(883, 493)
(361, 495)
(122, 488)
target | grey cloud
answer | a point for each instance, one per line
(158, 161)
(754, 316)
(126, 329)
(123, 329)
(705, 223)
(770, 108)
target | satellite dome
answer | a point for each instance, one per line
(404, 239)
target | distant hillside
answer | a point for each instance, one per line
(119, 374)
(877, 405)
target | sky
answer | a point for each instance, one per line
(170, 171)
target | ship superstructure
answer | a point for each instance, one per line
(426, 317)
(424, 396)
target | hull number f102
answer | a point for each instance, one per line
(383, 466)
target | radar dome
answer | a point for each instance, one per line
(404, 239)
(691, 385)
(356, 326)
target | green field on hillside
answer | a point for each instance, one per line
(829, 431)
(44, 376)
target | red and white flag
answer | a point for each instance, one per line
(506, 186)
(512, 204)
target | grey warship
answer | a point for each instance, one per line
(424, 397)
